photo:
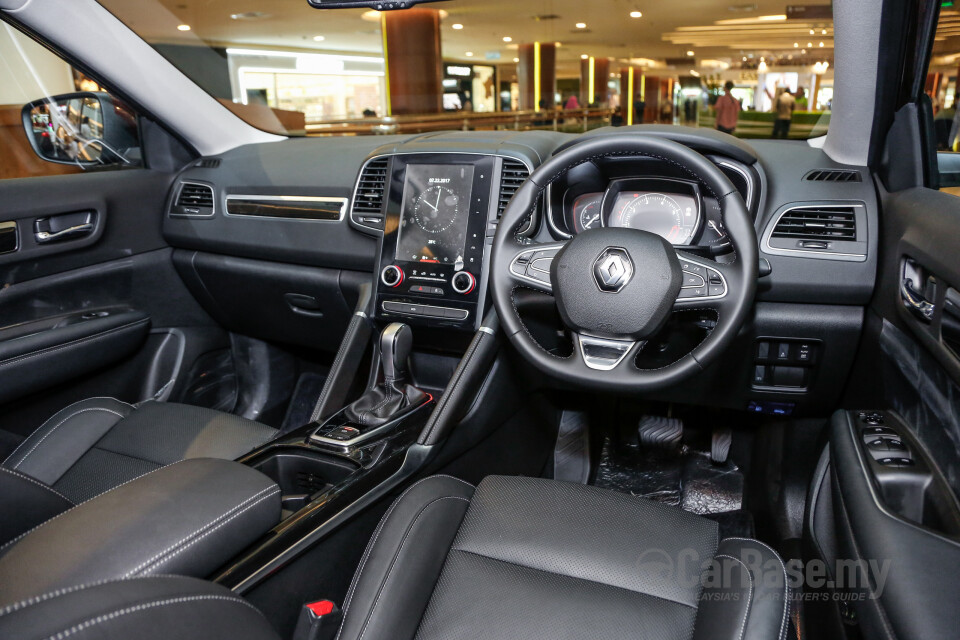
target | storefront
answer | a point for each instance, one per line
(470, 87)
(321, 86)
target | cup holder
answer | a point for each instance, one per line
(303, 474)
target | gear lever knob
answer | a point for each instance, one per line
(396, 342)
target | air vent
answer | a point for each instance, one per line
(833, 175)
(514, 174)
(371, 191)
(208, 163)
(829, 223)
(194, 200)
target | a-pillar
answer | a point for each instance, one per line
(594, 81)
(537, 76)
(411, 50)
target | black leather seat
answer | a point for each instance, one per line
(514, 558)
(100, 443)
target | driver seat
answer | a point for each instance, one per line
(512, 558)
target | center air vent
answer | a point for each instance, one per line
(193, 200)
(371, 191)
(818, 223)
(833, 175)
(512, 177)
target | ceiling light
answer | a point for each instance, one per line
(823, 32)
(319, 38)
(581, 25)
(744, 58)
(584, 56)
(695, 74)
(821, 44)
(469, 54)
(690, 53)
(811, 32)
(775, 18)
(636, 14)
(457, 27)
(183, 27)
(809, 44)
(557, 44)
(516, 59)
(796, 45)
(803, 51)
(507, 39)
(762, 66)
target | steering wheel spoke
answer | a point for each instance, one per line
(706, 284)
(603, 354)
(530, 265)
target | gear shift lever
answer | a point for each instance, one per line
(390, 400)
(396, 342)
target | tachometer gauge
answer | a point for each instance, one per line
(436, 209)
(587, 212)
(656, 213)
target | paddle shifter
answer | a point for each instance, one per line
(390, 399)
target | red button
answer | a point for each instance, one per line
(321, 608)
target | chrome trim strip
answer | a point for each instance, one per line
(818, 255)
(487, 330)
(213, 191)
(746, 176)
(289, 199)
(601, 364)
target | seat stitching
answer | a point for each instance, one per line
(56, 426)
(565, 575)
(173, 551)
(26, 533)
(36, 482)
(64, 591)
(786, 586)
(393, 562)
(376, 535)
(91, 338)
(47, 421)
(746, 614)
(113, 615)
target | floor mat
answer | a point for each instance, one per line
(690, 480)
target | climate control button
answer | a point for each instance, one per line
(392, 276)
(464, 283)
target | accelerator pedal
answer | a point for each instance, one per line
(720, 445)
(663, 434)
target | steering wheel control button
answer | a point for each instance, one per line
(692, 268)
(613, 269)
(464, 283)
(392, 276)
(691, 280)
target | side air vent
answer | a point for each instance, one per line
(833, 175)
(371, 191)
(207, 163)
(194, 200)
(818, 224)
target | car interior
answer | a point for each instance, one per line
(537, 371)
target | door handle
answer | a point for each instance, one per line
(915, 302)
(64, 234)
(65, 226)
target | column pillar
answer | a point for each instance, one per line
(601, 80)
(537, 76)
(411, 50)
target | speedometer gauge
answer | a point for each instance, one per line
(657, 213)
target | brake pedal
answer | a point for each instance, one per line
(720, 445)
(663, 434)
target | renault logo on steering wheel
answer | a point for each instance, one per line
(613, 269)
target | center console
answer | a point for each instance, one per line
(440, 217)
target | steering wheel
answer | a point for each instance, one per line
(615, 288)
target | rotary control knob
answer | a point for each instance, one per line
(392, 276)
(464, 283)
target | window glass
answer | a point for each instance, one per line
(754, 70)
(90, 131)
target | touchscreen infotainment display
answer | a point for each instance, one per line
(436, 209)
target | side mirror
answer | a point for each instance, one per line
(83, 129)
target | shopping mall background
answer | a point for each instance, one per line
(484, 64)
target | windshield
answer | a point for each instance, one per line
(565, 65)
